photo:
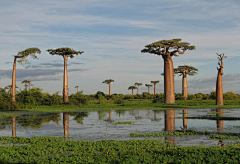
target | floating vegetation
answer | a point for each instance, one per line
(182, 133)
(217, 112)
(124, 123)
(59, 150)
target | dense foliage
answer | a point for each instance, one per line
(34, 97)
(60, 150)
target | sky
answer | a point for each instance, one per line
(112, 34)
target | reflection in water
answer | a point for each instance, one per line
(220, 124)
(14, 126)
(109, 117)
(155, 116)
(138, 116)
(169, 116)
(185, 120)
(79, 116)
(65, 123)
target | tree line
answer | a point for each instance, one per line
(164, 48)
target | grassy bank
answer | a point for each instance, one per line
(138, 104)
(57, 150)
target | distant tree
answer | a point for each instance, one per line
(148, 85)
(77, 88)
(138, 84)
(219, 85)
(184, 71)
(65, 53)
(22, 60)
(26, 83)
(154, 83)
(132, 88)
(109, 83)
(167, 49)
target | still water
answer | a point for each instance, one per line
(99, 125)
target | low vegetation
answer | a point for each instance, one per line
(35, 99)
(60, 150)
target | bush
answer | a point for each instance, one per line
(118, 101)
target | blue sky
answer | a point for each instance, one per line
(112, 35)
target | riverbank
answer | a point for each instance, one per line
(136, 104)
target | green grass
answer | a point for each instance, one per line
(58, 150)
(138, 104)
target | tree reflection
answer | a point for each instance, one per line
(155, 116)
(185, 120)
(79, 116)
(109, 117)
(220, 124)
(14, 126)
(169, 116)
(120, 112)
(65, 123)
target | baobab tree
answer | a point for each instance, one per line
(148, 85)
(65, 53)
(184, 71)
(154, 83)
(109, 83)
(22, 60)
(27, 83)
(77, 88)
(167, 49)
(219, 85)
(132, 88)
(138, 84)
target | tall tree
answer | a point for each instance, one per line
(219, 85)
(148, 85)
(138, 84)
(109, 83)
(22, 60)
(167, 49)
(184, 71)
(65, 53)
(132, 88)
(77, 88)
(154, 83)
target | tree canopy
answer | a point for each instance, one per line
(154, 82)
(108, 81)
(168, 47)
(138, 84)
(190, 70)
(132, 87)
(28, 52)
(65, 51)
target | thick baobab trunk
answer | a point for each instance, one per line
(184, 86)
(14, 126)
(13, 89)
(132, 91)
(169, 123)
(138, 90)
(65, 123)
(148, 89)
(185, 114)
(65, 82)
(219, 89)
(110, 89)
(169, 95)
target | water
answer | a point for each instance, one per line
(99, 125)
